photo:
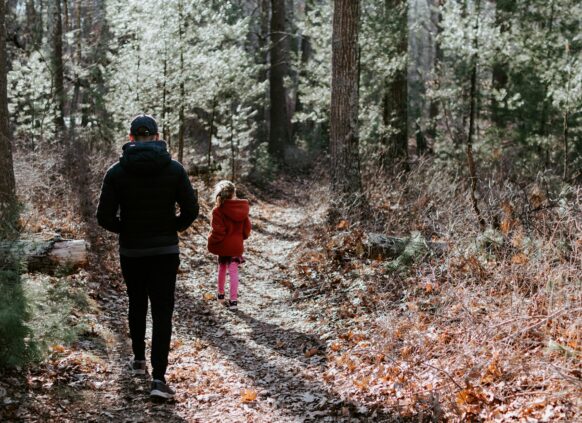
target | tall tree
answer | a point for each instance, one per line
(499, 74)
(437, 59)
(473, 98)
(57, 65)
(279, 132)
(7, 185)
(345, 166)
(182, 90)
(395, 101)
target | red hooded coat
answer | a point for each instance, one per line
(230, 227)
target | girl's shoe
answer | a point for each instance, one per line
(220, 298)
(233, 305)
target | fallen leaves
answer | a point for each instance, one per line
(342, 225)
(248, 395)
(519, 258)
(310, 352)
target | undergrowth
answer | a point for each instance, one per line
(489, 328)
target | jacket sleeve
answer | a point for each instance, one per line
(188, 202)
(247, 228)
(108, 205)
(218, 228)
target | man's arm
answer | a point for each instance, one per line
(108, 206)
(188, 202)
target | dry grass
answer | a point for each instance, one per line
(489, 331)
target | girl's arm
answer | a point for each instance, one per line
(246, 228)
(218, 232)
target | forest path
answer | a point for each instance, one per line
(273, 347)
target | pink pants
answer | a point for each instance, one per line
(233, 272)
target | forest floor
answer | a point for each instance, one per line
(321, 334)
(264, 362)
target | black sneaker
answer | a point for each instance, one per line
(233, 305)
(137, 367)
(220, 298)
(161, 390)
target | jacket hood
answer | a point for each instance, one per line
(145, 158)
(236, 210)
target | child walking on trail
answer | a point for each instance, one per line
(230, 227)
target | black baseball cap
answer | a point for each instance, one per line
(143, 125)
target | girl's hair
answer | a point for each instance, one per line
(224, 190)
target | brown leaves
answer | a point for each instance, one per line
(493, 371)
(310, 352)
(248, 395)
(59, 349)
(471, 400)
(335, 346)
(342, 225)
(519, 258)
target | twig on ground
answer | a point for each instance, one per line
(538, 324)
(446, 373)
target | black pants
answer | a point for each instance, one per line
(152, 277)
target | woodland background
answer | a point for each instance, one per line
(444, 123)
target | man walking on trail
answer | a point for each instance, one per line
(138, 202)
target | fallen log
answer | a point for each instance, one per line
(45, 256)
(380, 246)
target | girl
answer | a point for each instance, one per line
(230, 227)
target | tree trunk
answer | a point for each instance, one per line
(7, 185)
(472, 112)
(210, 133)
(263, 118)
(77, 95)
(57, 66)
(33, 25)
(65, 15)
(164, 102)
(232, 149)
(182, 92)
(345, 166)
(433, 109)
(395, 104)
(499, 75)
(305, 52)
(279, 136)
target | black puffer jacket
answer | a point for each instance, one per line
(145, 186)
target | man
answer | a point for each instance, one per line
(144, 187)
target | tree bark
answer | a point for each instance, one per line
(182, 92)
(472, 112)
(77, 94)
(345, 166)
(263, 117)
(433, 109)
(57, 66)
(45, 256)
(7, 184)
(210, 133)
(279, 133)
(395, 104)
(499, 75)
(33, 25)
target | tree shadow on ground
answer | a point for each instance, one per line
(286, 386)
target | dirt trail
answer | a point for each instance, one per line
(273, 347)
